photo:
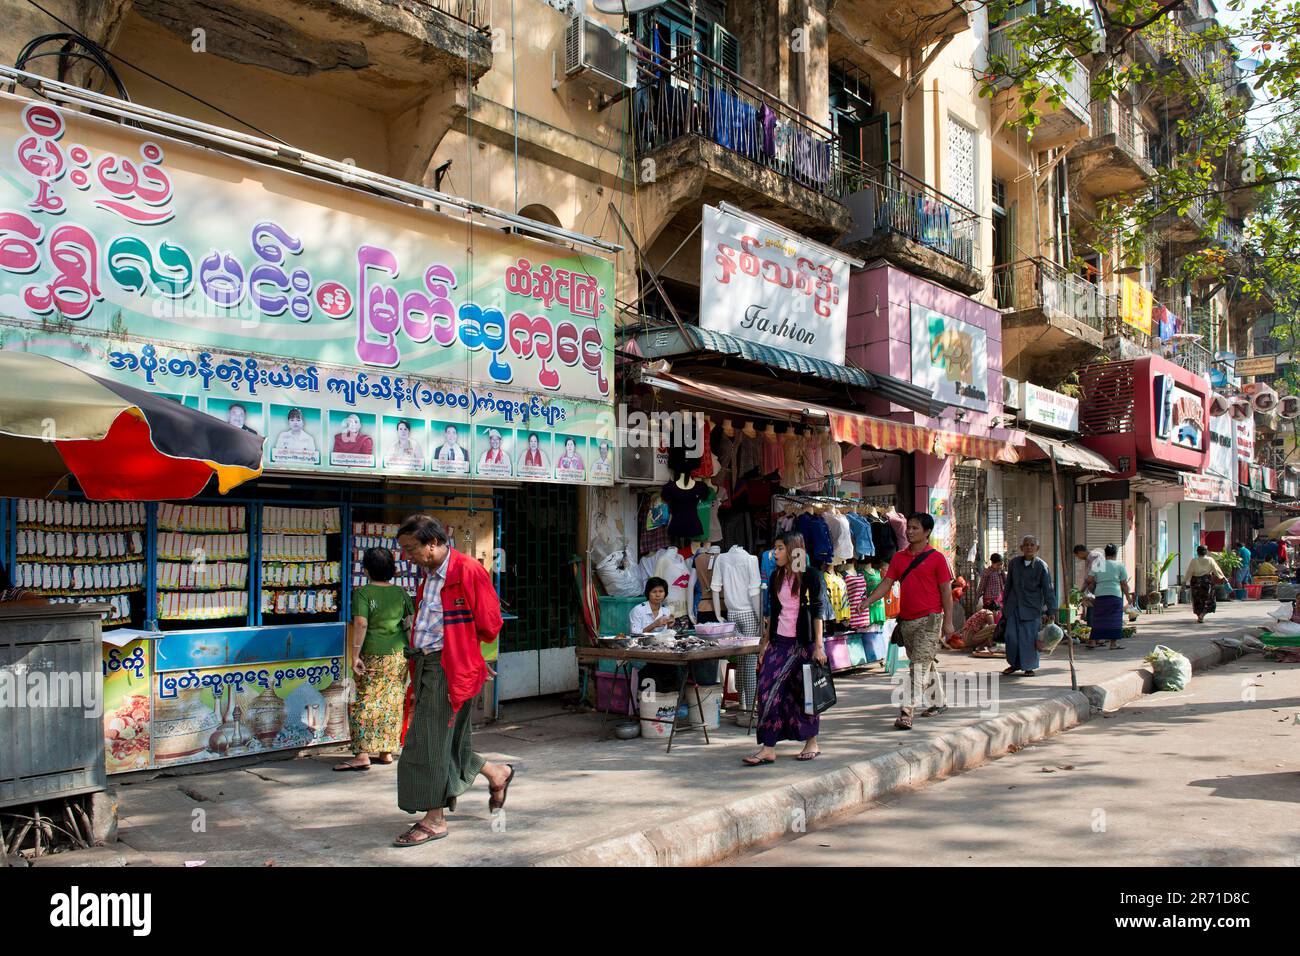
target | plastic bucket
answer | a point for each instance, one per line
(1253, 591)
(657, 716)
(1239, 594)
(709, 710)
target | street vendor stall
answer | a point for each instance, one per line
(681, 654)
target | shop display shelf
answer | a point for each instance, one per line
(112, 559)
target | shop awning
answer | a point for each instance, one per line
(845, 426)
(671, 342)
(1072, 455)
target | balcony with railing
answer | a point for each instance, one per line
(1052, 319)
(1180, 218)
(1115, 160)
(1193, 356)
(708, 132)
(1199, 58)
(1058, 122)
(901, 218)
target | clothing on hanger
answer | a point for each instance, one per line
(841, 536)
(832, 457)
(883, 537)
(773, 457)
(704, 468)
(860, 529)
(876, 612)
(814, 468)
(683, 509)
(653, 539)
(816, 537)
(899, 524)
(749, 455)
(791, 455)
(855, 589)
(705, 562)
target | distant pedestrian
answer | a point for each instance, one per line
(1031, 603)
(1242, 574)
(993, 584)
(924, 616)
(1090, 559)
(1110, 583)
(1203, 573)
(456, 609)
(792, 636)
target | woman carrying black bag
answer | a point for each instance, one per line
(792, 637)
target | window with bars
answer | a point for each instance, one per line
(539, 537)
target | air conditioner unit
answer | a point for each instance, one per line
(598, 56)
(1010, 393)
(636, 459)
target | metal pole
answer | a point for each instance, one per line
(1062, 598)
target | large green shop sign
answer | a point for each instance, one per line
(356, 333)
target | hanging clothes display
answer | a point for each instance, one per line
(652, 530)
(876, 612)
(812, 464)
(855, 589)
(749, 455)
(832, 456)
(683, 509)
(791, 460)
(899, 524)
(882, 536)
(816, 537)
(704, 468)
(705, 610)
(837, 597)
(860, 528)
(841, 536)
(773, 455)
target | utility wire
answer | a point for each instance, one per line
(155, 77)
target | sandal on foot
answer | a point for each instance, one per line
(1116, 647)
(409, 839)
(343, 767)
(1007, 672)
(754, 760)
(1029, 673)
(495, 802)
(813, 755)
(936, 710)
(903, 723)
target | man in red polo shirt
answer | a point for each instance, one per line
(924, 616)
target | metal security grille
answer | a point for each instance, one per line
(968, 501)
(539, 536)
(1107, 407)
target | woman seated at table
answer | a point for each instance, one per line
(652, 614)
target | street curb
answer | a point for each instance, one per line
(709, 837)
(1110, 695)
(716, 834)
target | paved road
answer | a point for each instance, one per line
(1207, 777)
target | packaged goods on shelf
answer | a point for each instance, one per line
(279, 520)
(172, 517)
(181, 546)
(80, 514)
(293, 547)
(120, 604)
(202, 576)
(366, 535)
(94, 578)
(84, 545)
(283, 574)
(201, 605)
(300, 602)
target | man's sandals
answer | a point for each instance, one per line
(409, 838)
(497, 795)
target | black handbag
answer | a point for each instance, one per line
(818, 688)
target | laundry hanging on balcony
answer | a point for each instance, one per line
(1135, 305)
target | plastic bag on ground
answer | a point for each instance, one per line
(1173, 671)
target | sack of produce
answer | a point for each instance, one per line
(1173, 671)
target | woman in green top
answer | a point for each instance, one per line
(381, 621)
(1109, 582)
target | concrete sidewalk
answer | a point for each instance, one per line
(580, 800)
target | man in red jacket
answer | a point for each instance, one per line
(456, 608)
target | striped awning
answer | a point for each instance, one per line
(880, 433)
(850, 427)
